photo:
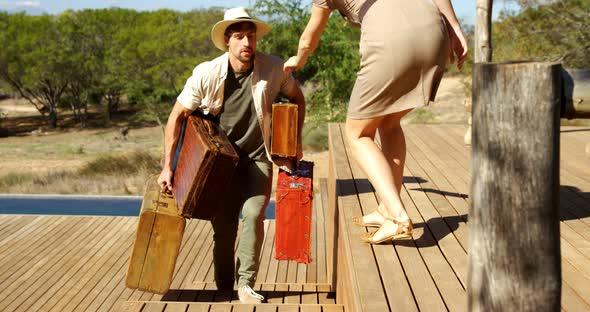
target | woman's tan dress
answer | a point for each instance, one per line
(404, 47)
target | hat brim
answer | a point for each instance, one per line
(218, 30)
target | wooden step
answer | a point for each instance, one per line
(152, 306)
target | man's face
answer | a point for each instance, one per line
(242, 44)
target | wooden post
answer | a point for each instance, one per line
(483, 45)
(514, 251)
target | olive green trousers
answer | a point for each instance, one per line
(249, 193)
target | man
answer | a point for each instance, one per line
(239, 88)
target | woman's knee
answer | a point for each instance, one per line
(361, 128)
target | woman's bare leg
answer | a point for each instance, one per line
(383, 166)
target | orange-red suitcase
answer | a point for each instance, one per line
(284, 130)
(294, 198)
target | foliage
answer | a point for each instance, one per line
(555, 31)
(104, 58)
(101, 57)
(330, 71)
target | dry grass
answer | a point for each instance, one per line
(117, 175)
(80, 162)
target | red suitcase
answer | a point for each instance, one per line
(294, 198)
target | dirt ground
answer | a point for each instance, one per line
(32, 151)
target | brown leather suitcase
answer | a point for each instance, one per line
(206, 163)
(157, 242)
(284, 130)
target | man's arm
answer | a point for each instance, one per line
(296, 97)
(171, 135)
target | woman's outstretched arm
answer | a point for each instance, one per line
(309, 39)
(458, 42)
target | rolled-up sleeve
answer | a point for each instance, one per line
(192, 94)
(321, 3)
(289, 84)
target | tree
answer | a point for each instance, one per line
(34, 63)
(555, 31)
(333, 66)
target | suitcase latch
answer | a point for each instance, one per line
(296, 185)
(160, 204)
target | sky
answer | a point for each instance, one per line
(465, 9)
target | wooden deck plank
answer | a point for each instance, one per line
(198, 307)
(293, 295)
(176, 307)
(575, 257)
(107, 281)
(441, 170)
(362, 269)
(320, 242)
(575, 239)
(571, 301)
(266, 253)
(454, 220)
(11, 227)
(447, 242)
(312, 267)
(79, 286)
(446, 280)
(310, 295)
(393, 277)
(579, 282)
(29, 245)
(68, 268)
(25, 276)
(272, 272)
(455, 155)
(186, 259)
(206, 246)
(449, 152)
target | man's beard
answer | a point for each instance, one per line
(244, 59)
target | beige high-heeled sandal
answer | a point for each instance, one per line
(358, 220)
(404, 230)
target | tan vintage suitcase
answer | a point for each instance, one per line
(206, 163)
(157, 242)
(284, 130)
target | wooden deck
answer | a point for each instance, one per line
(78, 263)
(429, 273)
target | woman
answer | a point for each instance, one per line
(404, 46)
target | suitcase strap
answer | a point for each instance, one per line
(283, 195)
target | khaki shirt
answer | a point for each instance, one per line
(204, 89)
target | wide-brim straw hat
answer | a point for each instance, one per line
(232, 16)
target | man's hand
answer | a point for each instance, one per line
(165, 180)
(288, 163)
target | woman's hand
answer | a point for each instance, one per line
(292, 64)
(458, 46)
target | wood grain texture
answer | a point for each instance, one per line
(284, 130)
(514, 250)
